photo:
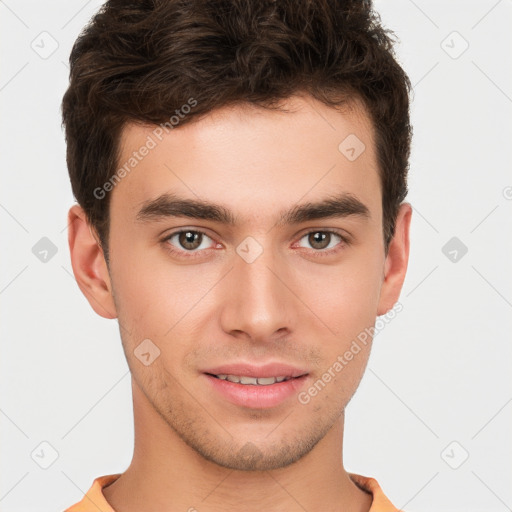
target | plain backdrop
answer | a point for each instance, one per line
(432, 417)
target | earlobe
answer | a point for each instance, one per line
(88, 262)
(395, 266)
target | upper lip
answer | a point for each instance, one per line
(251, 370)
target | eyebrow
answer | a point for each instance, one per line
(171, 205)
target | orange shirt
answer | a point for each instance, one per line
(94, 500)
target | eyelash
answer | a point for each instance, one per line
(196, 253)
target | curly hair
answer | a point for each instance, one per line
(139, 61)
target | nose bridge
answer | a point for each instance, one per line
(258, 302)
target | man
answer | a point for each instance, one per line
(240, 171)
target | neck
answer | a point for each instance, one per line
(167, 474)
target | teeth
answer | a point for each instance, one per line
(265, 381)
(261, 381)
(248, 380)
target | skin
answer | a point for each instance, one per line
(290, 305)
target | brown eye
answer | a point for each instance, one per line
(322, 240)
(319, 239)
(189, 239)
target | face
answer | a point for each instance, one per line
(255, 281)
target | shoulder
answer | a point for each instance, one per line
(380, 502)
(94, 499)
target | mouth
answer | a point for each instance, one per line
(253, 387)
(251, 381)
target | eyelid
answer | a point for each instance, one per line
(201, 231)
(340, 232)
(345, 241)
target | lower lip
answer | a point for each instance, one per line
(256, 396)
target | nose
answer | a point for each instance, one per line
(258, 302)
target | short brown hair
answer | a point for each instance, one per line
(139, 61)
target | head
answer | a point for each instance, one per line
(240, 171)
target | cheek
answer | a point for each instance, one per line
(346, 297)
(160, 302)
(145, 288)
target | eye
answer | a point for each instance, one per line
(187, 240)
(190, 242)
(324, 240)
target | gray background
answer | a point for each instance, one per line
(429, 420)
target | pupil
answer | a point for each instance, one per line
(188, 239)
(319, 239)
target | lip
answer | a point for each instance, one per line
(251, 370)
(255, 396)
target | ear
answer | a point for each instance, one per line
(397, 258)
(88, 262)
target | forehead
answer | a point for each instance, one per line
(252, 159)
